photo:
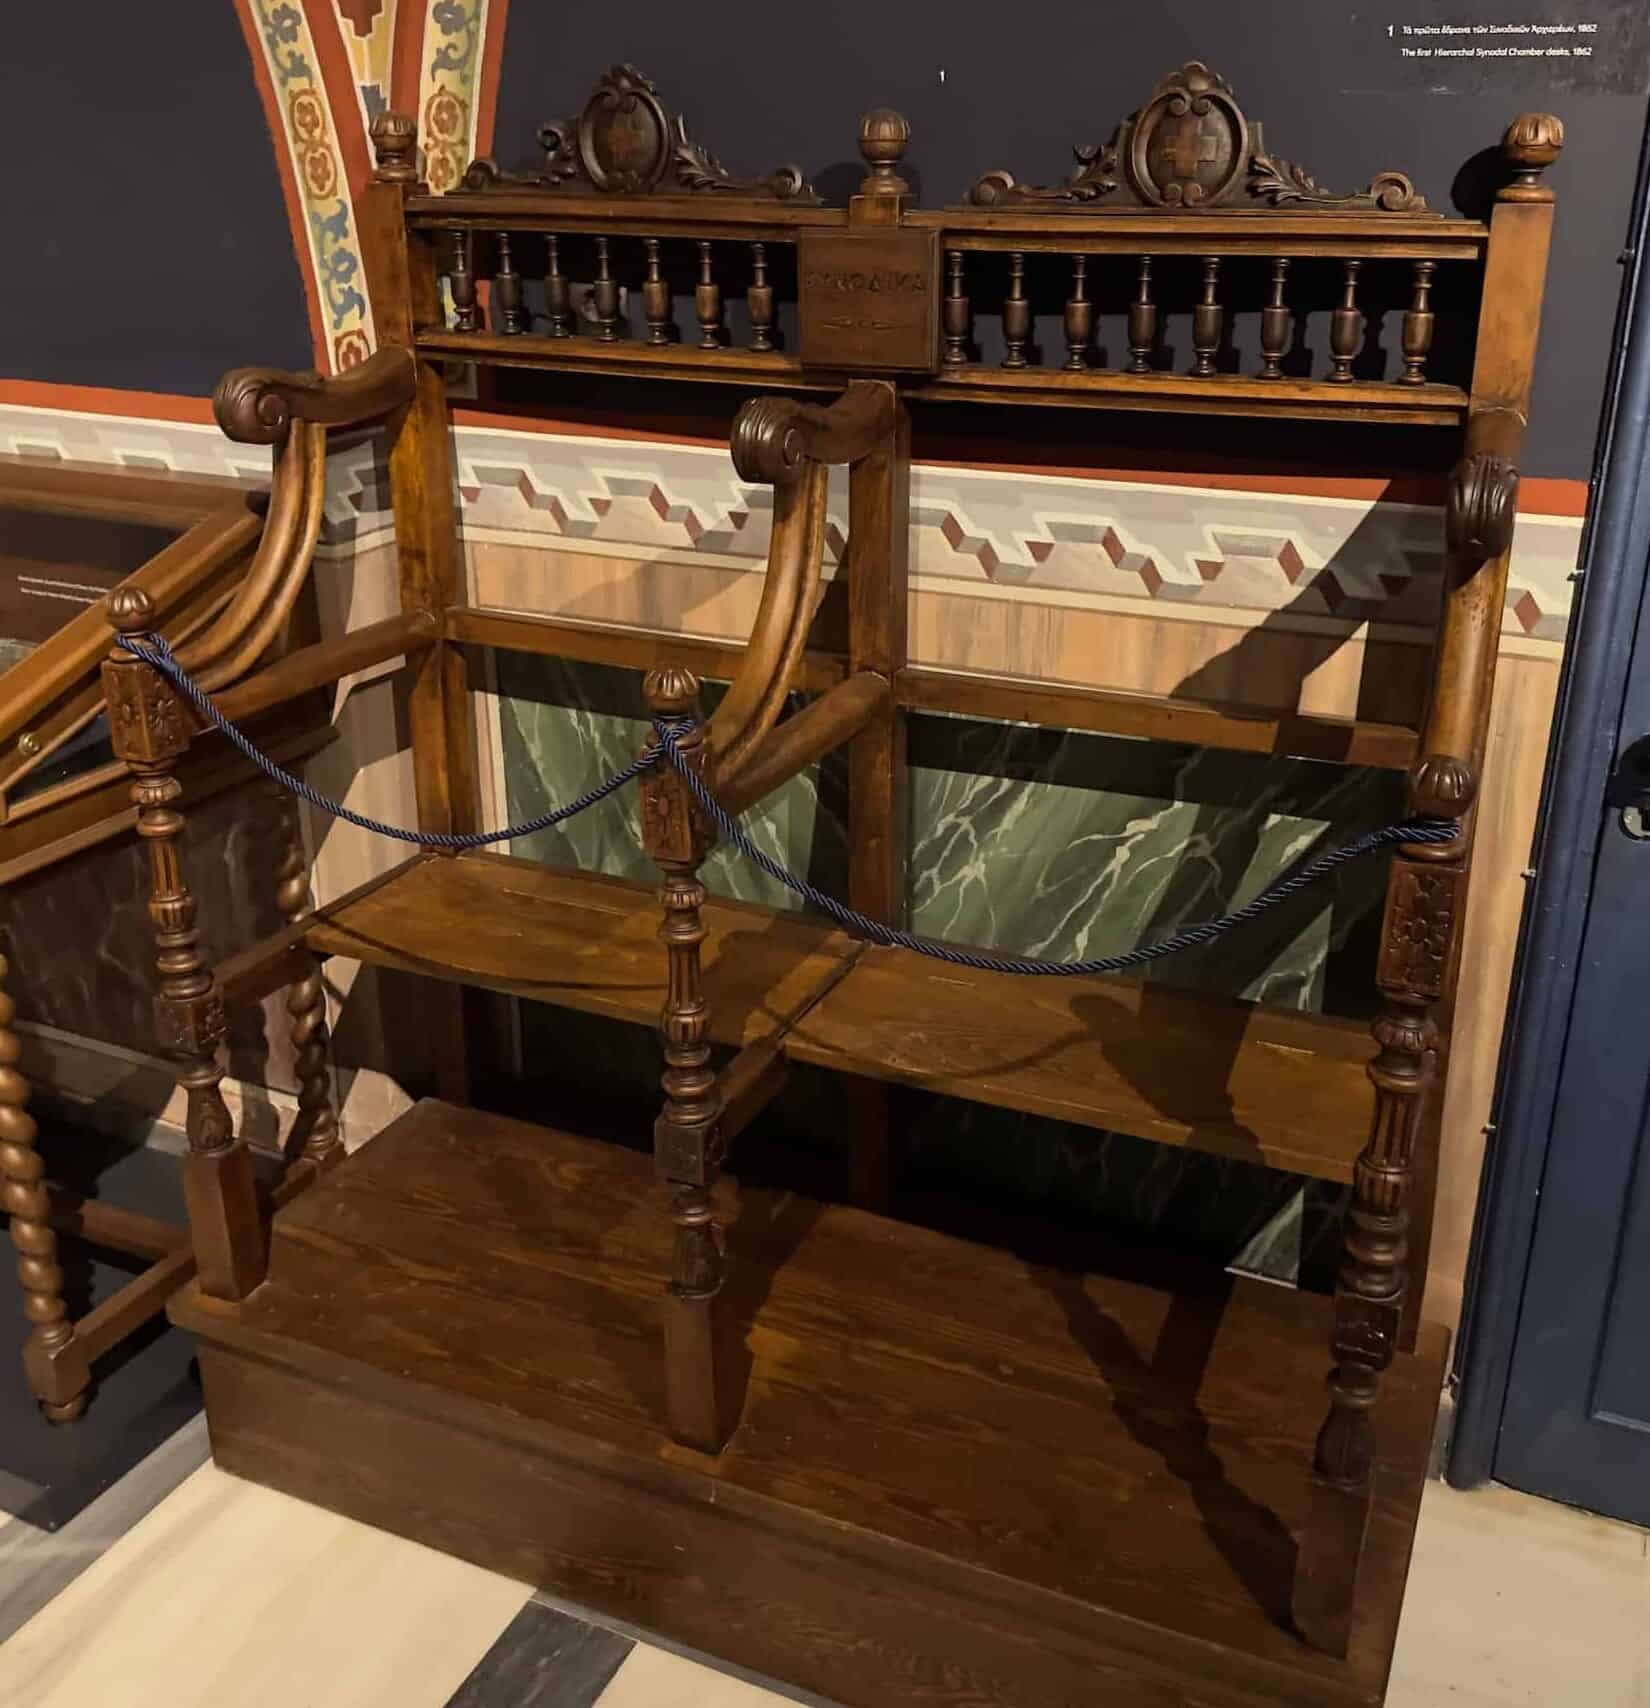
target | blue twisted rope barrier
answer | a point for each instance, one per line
(668, 734)
(155, 652)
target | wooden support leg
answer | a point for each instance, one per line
(1417, 948)
(306, 1001)
(687, 1141)
(149, 730)
(54, 1361)
(879, 547)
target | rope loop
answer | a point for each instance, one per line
(668, 733)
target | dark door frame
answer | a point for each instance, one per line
(1615, 556)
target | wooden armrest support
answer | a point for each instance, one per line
(819, 728)
(315, 666)
(257, 406)
(774, 437)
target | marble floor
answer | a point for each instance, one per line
(185, 1587)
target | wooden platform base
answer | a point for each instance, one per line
(961, 1478)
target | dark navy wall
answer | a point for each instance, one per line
(987, 85)
(147, 244)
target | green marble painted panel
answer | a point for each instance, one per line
(1044, 842)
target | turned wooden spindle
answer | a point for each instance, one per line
(1142, 321)
(1016, 313)
(687, 1144)
(54, 1361)
(558, 296)
(1208, 320)
(604, 295)
(655, 296)
(149, 730)
(1346, 326)
(1079, 320)
(759, 300)
(1418, 326)
(958, 319)
(707, 302)
(462, 282)
(1276, 324)
(508, 311)
(306, 998)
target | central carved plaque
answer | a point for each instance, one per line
(869, 300)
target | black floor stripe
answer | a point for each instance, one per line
(544, 1658)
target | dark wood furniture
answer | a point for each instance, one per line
(882, 1463)
(194, 545)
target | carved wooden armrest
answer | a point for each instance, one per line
(257, 406)
(790, 445)
(265, 406)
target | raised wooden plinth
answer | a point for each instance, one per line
(1267, 1085)
(960, 1477)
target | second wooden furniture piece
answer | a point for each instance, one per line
(882, 1463)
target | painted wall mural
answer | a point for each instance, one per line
(326, 68)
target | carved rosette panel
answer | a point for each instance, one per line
(190, 1026)
(1192, 148)
(1419, 929)
(147, 722)
(626, 142)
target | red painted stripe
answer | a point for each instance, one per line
(289, 183)
(407, 56)
(338, 79)
(103, 400)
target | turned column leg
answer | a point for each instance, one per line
(1424, 897)
(687, 1143)
(306, 1001)
(54, 1361)
(150, 732)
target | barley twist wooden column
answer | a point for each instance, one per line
(150, 731)
(54, 1361)
(687, 1143)
(306, 1000)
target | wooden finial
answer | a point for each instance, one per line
(671, 691)
(1532, 143)
(395, 148)
(883, 138)
(131, 611)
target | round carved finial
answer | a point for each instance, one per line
(1532, 144)
(767, 441)
(884, 136)
(1533, 140)
(131, 611)
(671, 691)
(1442, 786)
(1481, 507)
(395, 147)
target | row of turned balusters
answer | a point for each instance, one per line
(1277, 320)
(1346, 321)
(511, 314)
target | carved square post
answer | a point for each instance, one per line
(1426, 894)
(149, 727)
(687, 1140)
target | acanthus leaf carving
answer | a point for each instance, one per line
(626, 142)
(1191, 147)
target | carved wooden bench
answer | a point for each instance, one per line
(884, 319)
